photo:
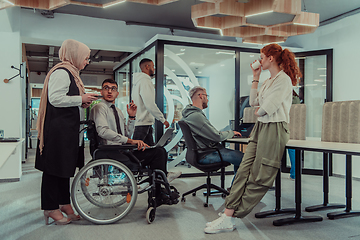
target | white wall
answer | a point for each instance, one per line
(342, 36)
(11, 94)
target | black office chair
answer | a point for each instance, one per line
(193, 154)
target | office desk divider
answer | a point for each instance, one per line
(340, 124)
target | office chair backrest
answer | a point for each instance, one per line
(191, 154)
(297, 122)
(341, 122)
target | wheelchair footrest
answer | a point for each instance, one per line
(169, 198)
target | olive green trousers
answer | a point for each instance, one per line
(259, 167)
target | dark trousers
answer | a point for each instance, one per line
(55, 191)
(145, 134)
(154, 158)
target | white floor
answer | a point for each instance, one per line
(21, 217)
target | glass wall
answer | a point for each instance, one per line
(213, 69)
(314, 98)
(246, 78)
(122, 77)
(226, 74)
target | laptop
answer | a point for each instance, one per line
(162, 141)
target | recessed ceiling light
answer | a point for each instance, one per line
(199, 72)
(113, 3)
(228, 53)
(252, 55)
(182, 53)
(173, 70)
(305, 24)
(221, 65)
(321, 69)
(251, 15)
(322, 75)
(183, 49)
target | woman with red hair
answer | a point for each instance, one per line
(270, 134)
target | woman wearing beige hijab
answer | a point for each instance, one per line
(60, 148)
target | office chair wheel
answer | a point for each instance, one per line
(194, 194)
(183, 199)
(150, 215)
(104, 191)
(223, 195)
(206, 205)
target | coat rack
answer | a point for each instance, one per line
(8, 80)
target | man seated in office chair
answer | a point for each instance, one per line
(112, 129)
(205, 134)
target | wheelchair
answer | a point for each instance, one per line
(105, 190)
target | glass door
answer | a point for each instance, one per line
(314, 89)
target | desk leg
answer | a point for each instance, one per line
(277, 209)
(297, 218)
(348, 193)
(325, 204)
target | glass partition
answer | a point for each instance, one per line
(213, 69)
(246, 78)
(314, 97)
(226, 74)
(122, 77)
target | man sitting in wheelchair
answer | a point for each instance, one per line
(112, 129)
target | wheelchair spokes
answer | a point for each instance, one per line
(104, 191)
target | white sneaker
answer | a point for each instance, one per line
(222, 224)
(172, 175)
(208, 224)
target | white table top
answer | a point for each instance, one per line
(6, 149)
(311, 145)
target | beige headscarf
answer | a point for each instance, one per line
(72, 55)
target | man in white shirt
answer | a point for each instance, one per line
(143, 94)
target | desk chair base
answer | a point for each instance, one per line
(323, 207)
(275, 212)
(208, 186)
(214, 193)
(286, 221)
(342, 214)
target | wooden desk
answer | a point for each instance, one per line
(316, 146)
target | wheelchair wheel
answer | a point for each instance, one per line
(150, 214)
(104, 191)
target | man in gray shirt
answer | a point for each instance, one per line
(106, 116)
(205, 134)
